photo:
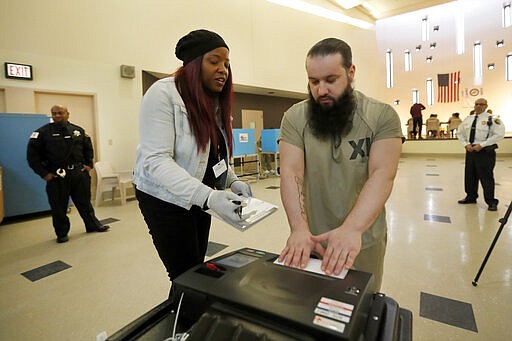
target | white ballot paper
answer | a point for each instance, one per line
(315, 265)
(253, 210)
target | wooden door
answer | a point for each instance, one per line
(253, 119)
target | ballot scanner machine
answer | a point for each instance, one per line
(245, 295)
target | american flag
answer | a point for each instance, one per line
(448, 87)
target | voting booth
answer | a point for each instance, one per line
(243, 142)
(269, 140)
(270, 149)
(245, 159)
(245, 295)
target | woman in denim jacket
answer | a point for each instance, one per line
(182, 165)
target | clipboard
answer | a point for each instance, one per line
(253, 211)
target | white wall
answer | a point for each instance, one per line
(78, 46)
(482, 21)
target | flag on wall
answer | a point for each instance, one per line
(448, 87)
(470, 95)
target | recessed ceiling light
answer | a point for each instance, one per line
(348, 4)
(323, 12)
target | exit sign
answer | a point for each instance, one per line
(18, 71)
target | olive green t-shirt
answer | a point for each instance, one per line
(336, 169)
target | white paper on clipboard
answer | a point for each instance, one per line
(253, 211)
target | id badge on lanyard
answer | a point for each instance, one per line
(219, 168)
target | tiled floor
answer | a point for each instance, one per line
(435, 249)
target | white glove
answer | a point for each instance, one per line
(226, 204)
(241, 188)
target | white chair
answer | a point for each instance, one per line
(108, 180)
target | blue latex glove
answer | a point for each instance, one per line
(241, 188)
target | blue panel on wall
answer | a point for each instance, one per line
(24, 191)
(243, 142)
(269, 140)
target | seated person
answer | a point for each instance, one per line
(433, 125)
(453, 123)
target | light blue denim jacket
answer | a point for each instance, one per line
(169, 166)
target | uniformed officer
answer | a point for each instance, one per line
(479, 133)
(61, 153)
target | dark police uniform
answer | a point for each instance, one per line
(64, 150)
(488, 130)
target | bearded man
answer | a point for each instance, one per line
(339, 154)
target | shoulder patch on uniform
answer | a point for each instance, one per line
(34, 135)
(497, 121)
(76, 132)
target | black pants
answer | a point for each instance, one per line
(180, 236)
(76, 184)
(417, 125)
(480, 166)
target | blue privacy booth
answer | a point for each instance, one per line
(243, 142)
(244, 152)
(24, 191)
(269, 140)
(270, 150)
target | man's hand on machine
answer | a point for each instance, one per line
(298, 249)
(343, 246)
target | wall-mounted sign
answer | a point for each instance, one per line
(18, 71)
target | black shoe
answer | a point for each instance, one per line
(62, 239)
(493, 207)
(98, 229)
(467, 201)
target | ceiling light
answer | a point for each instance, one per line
(491, 66)
(322, 12)
(429, 59)
(418, 47)
(500, 43)
(373, 11)
(424, 29)
(396, 101)
(348, 4)
(433, 46)
(436, 28)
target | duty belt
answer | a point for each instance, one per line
(62, 171)
(73, 166)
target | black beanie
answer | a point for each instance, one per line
(197, 43)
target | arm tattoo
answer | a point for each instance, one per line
(300, 192)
